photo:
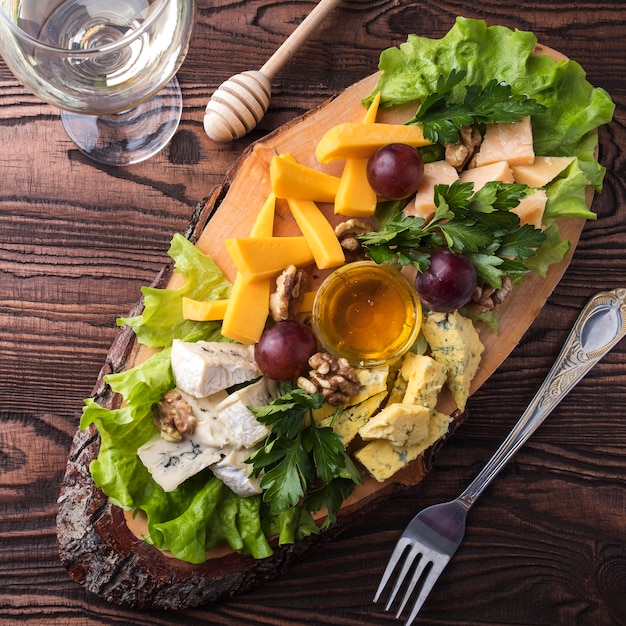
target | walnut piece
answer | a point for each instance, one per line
(346, 234)
(285, 301)
(173, 416)
(460, 153)
(486, 298)
(335, 379)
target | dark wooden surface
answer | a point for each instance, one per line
(546, 543)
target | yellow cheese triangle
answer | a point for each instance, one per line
(360, 140)
(265, 257)
(318, 232)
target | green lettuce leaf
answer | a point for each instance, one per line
(162, 318)
(553, 250)
(201, 512)
(574, 108)
(566, 195)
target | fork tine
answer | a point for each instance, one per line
(408, 563)
(429, 583)
(419, 570)
(398, 551)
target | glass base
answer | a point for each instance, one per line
(131, 136)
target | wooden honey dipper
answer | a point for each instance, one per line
(240, 103)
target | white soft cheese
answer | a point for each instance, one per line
(225, 428)
(204, 367)
(235, 473)
(211, 430)
(171, 463)
(245, 430)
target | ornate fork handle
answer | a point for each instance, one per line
(600, 325)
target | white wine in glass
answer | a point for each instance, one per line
(109, 65)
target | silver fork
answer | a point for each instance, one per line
(434, 534)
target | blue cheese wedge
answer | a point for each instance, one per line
(245, 430)
(171, 463)
(382, 459)
(398, 390)
(454, 342)
(204, 367)
(236, 474)
(373, 381)
(226, 432)
(424, 379)
(373, 384)
(348, 421)
(400, 424)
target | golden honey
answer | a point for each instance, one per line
(367, 313)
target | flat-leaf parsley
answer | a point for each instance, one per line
(443, 113)
(301, 460)
(478, 225)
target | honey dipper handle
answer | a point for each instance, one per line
(290, 46)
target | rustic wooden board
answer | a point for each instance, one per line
(98, 543)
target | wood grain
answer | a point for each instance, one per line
(545, 545)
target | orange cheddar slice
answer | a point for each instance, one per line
(204, 310)
(247, 311)
(264, 257)
(318, 232)
(359, 140)
(290, 179)
(248, 305)
(355, 197)
(264, 224)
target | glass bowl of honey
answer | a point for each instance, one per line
(367, 313)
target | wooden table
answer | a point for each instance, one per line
(545, 545)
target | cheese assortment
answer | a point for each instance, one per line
(226, 432)
(393, 412)
(201, 448)
(393, 417)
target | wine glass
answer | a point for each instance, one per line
(109, 65)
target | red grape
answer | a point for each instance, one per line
(284, 349)
(448, 283)
(395, 171)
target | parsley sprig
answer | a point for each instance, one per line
(442, 113)
(300, 459)
(478, 225)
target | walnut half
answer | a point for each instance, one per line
(486, 298)
(460, 153)
(285, 301)
(335, 379)
(346, 234)
(173, 416)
